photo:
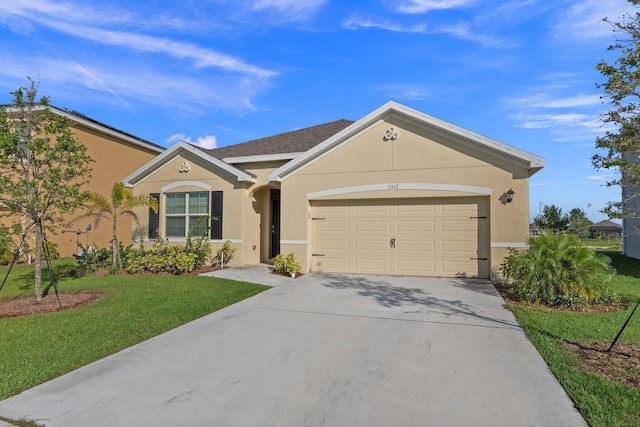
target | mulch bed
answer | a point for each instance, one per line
(621, 365)
(27, 305)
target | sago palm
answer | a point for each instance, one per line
(122, 203)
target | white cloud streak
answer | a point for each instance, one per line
(423, 6)
(208, 141)
(201, 57)
(583, 20)
(461, 30)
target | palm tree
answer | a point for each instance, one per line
(122, 202)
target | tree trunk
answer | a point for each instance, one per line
(115, 249)
(38, 262)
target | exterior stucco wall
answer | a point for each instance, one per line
(199, 177)
(415, 157)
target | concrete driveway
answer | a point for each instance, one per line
(321, 350)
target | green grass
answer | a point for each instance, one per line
(41, 347)
(615, 244)
(601, 402)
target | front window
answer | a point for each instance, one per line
(185, 211)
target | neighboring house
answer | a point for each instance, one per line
(606, 228)
(533, 229)
(396, 192)
(115, 154)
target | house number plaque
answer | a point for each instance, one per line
(393, 186)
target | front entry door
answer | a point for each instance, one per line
(275, 224)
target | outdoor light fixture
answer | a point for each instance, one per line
(509, 195)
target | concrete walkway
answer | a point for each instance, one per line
(321, 350)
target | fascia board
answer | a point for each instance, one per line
(153, 165)
(508, 153)
(261, 158)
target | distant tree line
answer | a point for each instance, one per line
(552, 218)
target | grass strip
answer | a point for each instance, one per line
(603, 403)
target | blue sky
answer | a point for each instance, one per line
(219, 72)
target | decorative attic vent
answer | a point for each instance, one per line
(391, 134)
(184, 168)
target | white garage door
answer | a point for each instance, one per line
(420, 237)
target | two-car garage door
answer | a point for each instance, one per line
(421, 237)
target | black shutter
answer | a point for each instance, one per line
(154, 218)
(216, 214)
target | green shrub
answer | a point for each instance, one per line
(52, 250)
(286, 264)
(91, 259)
(7, 247)
(183, 263)
(199, 247)
(558, 270)
(224, 254)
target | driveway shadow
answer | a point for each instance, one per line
(388, 295)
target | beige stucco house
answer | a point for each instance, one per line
(396, 192)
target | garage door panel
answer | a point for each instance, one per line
(373, 265)
(458, 227)
(332, 209)
(372, 245)
(416, 226)
(367, 226)
(373, 209)
(416, 208)
(417, 267)
(428, 237)
(417, 247)
(338, 265)
(334, 244)
(326, 226)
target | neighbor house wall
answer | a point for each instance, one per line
(114, 157)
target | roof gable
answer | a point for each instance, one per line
(176, 150)
(393, 109)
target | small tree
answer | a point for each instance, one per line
(578, 222)
(552, 219)
(122, 202)
(621, 145)
(42, 167)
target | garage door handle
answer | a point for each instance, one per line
(392, 243)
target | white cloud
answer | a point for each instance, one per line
(273, 11)
(461, 30)
(405, 91)
(423, 6)
(545, 100)
(70, 18)
(208, 141)
(355, 23)
(541, 121)
(583, 20)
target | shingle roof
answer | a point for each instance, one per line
(605, 224)
(296, 141)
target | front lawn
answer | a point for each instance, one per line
(601, 401)
(41, 347)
